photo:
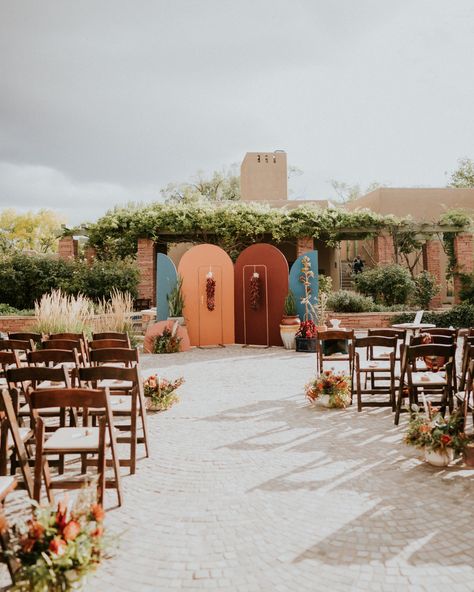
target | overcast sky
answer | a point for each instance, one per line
(107, 101)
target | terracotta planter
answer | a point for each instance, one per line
(289, 326)
(468, 454)
(439, 458)
(290, 320)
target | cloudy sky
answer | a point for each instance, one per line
(107, 101)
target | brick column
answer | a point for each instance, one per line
(304, 245)
(464, 253)
(384, 251)
(67, 248)
(147, 265)
(90, 254)
(432, 264)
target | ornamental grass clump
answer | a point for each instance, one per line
(57, 312)
(336, 386)
(429, 430)
(57, 547)
(115, 314)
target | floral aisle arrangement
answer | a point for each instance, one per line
(160, 393)
(439, 437)
(57, 547)
(307, 330)
(168, 342)
(330, 389)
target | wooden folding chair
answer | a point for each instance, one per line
(435, 381)
(466, 356)
(114, 356)
(109, 344)
(334, 339)
(401, 336)
(28, 336)
(126, 400)
(16, 440)
(7, 360)
(384, 367)
(112, 335)
(54, 358)
(83, 440)
(20, 346)
(7, 485)
(442, 331)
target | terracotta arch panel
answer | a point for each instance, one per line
(208, 327)
(260, 325)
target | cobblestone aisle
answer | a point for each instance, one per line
(250, 489)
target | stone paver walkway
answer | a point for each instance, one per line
(251, 489)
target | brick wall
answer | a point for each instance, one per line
(16, 324)
(366, 320)
(432, 264)
(68, 248)
(383, 249)
(464, 252)
(146, 261)
(304, 245)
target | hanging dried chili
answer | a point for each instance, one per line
(211, 293)
(255, 292)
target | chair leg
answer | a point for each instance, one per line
(3, 446)
(116, 463)
(359, 393)
(101, 462)
(141, 402)
(39, 460)
(133, 435)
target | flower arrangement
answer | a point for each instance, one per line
(57, 547)
(161, 392)
(334, 387)
(429, 430)
(168, 342)
(307, 329)
(210, 292)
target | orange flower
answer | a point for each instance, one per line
(425, 429)
(27, 544)
(61, 515)
(71, 530)
(98, 532)
(36, 530)
(57, 546)
(446, 439)
(98, 512)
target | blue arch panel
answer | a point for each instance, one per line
(166, 278)
(296, 285)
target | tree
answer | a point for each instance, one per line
(221, 186)
(463, 176)
(29, 231)
(347, 193)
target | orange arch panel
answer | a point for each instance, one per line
(207, 327)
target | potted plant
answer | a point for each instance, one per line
(439, 437)
(168, 342)
(176, 302)
(57, 547)
(160, 393)
(290, 322)
(305, 337)
(330, 389)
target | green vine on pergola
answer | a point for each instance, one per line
(234, 226)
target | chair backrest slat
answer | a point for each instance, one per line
(430, 349)
(72, 397)
(35, 337)
(52, 356)
(109, 344)
(376, 341)
(122, 355)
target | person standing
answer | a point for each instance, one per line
(358, 265)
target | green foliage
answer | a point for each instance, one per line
(460, 316)
(176, 299)
(345, 301)
(99, 280)
(467, 287)
(34, 231)
(289, 306)
(167, 343)
(6, 310)
(233, 226)
(425, 289)
(463, 176)
(24, 279)
(222, 186)
(386, 284)
(324, 283)
(463, 221)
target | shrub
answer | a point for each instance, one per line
(387, 284)
(6, 309)
(467, 288)
(345, 301)
(460, 316)
(24, 279)
(425, 289)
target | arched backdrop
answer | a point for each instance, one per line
(166, 278)
(207, 327)
(260, 325)
(297, 287)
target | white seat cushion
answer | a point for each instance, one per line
(428, 378)
(5, 484)
(74, 439)
(115, 384)
(375, 366)
(24, 433)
